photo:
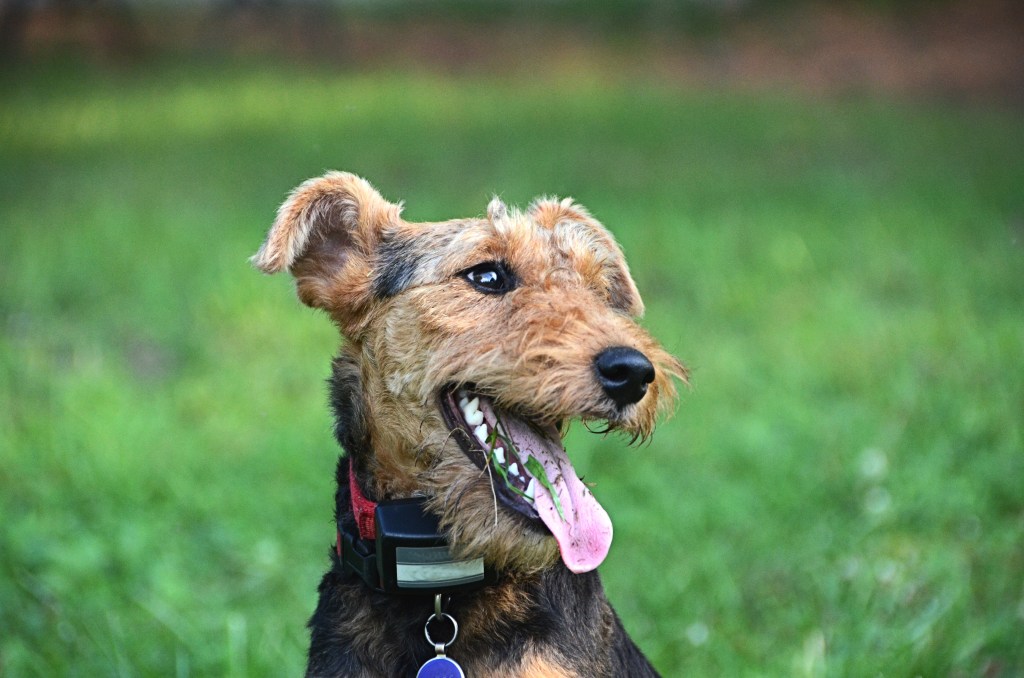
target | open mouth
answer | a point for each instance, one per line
(531, 474)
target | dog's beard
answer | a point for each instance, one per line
(530, 473)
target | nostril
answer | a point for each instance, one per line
(624, 374)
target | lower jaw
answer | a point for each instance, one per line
(509, 543)
(582, 538)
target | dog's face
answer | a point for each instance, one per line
(476, 341)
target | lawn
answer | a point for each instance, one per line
(841, 492)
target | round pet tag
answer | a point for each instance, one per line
(440, 667)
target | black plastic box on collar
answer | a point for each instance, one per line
(410, 554)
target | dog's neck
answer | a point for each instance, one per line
(350, 417)
(358, 496)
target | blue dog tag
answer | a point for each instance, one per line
(440, 667)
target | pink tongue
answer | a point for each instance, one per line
(584, 535)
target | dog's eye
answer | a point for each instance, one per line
(490, 278)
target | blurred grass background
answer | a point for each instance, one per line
(841, 493)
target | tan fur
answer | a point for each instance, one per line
(531, 350)
(538, 666)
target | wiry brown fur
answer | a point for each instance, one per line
(414, 327)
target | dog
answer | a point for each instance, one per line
(469, 345)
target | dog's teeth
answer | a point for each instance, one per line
(499, 455)
(530, 489)
(513, 469)
(481, 431)
(471, 412)
(463, 401)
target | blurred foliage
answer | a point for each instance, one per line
(128, 25)
(840, 494)
(691, 15)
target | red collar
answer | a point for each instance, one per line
(363, 509)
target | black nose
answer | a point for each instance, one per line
(624, 374)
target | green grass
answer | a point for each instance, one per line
(840, 494)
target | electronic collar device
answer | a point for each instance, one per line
(398, 548)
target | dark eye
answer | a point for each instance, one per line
(490, 278)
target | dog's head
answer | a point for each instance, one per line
(471, 344)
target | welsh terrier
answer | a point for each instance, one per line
(466, 543)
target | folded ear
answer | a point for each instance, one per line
(323, 235)
(621, 290)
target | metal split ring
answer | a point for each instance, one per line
(455, 632)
